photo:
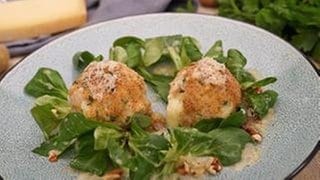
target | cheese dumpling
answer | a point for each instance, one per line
(205, 89)
(109, 91)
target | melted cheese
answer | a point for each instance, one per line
(174, 110)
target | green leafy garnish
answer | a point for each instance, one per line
(160, 83)
(298, 22)
(148, 149)
(83, 58)
(216, 52)
(236, 119)
(103, 135)
(260, 83)
(235, 63)
(88, 159)
(262, 102)
(225, 143)
(206, 125)
(73, 126)
(48, 113)
(127, 50)
(191, 48)
(228, 144)
(47, 82)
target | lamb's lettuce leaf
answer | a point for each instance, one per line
(47, 82)
(236, 119)
(225, 143)
(160, 83)
(82, 59)
(73, 126)
(49, 112)
(262, 102)
(127, 50)
(148, 149)
(88, 159)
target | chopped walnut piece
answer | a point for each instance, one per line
(197, 166)
(53, 155)
(115, 174)
(257, 138)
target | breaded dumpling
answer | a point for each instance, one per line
(109, 91)
(205, 89)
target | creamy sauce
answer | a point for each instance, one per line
(88, 176)
(255, 73)
(250, 156)
(251, 152)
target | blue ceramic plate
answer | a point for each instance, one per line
(290, 138)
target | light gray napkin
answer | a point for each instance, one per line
(98, 10)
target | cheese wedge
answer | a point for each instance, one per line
(4, 58)
(32, 18)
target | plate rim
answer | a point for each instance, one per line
(296, 171)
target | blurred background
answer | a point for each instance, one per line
(26, 25)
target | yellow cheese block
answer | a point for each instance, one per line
(32, 18)
(4, 58)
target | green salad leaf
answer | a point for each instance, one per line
(235, 63)
(88, 159)
(72, 126)
(49, 112)
(153, 51)
(119, 154)
(225, 143)
(55, 144)
(59, 107)
(236, 119)
(112, 140)
(260, 83)
(82, 59)
(191, 47)
(148, 149)
(118, 54)
(216, 52)
(102, 136)
(140, 120)
(47, 82)
(228, 144)
(262, 102)
(127, 50)
(157, 47)
(160, 83)
(206, 125)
